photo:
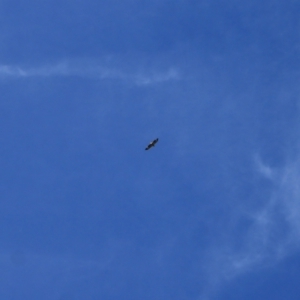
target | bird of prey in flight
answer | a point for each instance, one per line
(152, 144)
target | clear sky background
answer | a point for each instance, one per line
(212, 212)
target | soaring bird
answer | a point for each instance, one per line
(152, 144)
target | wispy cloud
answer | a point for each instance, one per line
(264, 169)
(143, 79)
(274, 232)
(90, 69)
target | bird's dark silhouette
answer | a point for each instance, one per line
(152, 144)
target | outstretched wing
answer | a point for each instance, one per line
(152, 144)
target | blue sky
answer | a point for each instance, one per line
(212, 212)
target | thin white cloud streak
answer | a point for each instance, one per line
(273, 234)
(88, 69)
